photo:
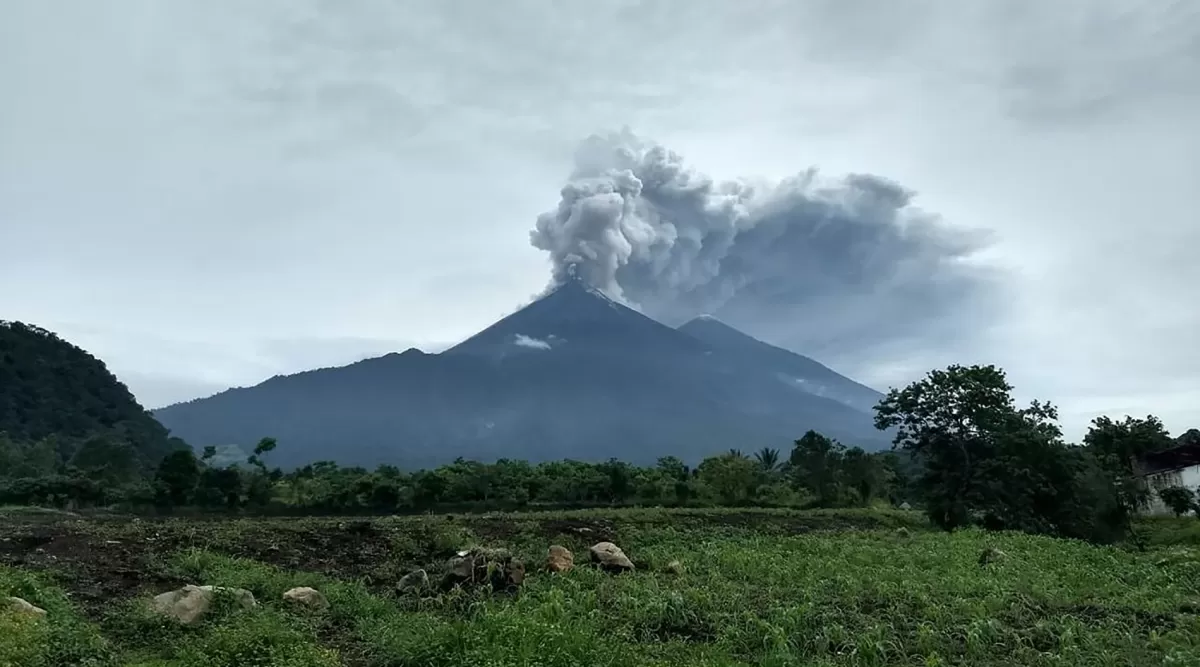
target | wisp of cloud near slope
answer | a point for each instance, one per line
(815, 263)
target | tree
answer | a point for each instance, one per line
(815, 465)
(107, 458)
(986, 461)
(1119, 448)
(734, 478)
(178, 474)
(264, 446)
(1180, 499)
(768, 459)
(864, 474)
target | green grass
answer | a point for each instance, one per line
(1164, 531)
(59, 639)
(856, 593)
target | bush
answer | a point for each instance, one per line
(1180, 499)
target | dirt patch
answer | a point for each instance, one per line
(100, 562)
(95, 571)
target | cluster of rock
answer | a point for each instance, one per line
(498, 568)
(190, 604)
(479, 566)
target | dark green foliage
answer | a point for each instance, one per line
(51, 389)
(733, 477)
(815, 464)
(768, 459)
(1118, 447)
(990, 463)
(1180, 499)
(178, 474)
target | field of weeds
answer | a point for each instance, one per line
(755, 588)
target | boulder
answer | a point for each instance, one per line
(414, 581)
(559, 559)
(674, 567)
(484, 567)
(308, 597)
(189, 604)
(23, 607)
(610, 557)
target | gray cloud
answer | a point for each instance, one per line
(851, 260)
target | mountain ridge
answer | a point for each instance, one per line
(574, 374)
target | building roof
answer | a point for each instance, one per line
(1176, 458)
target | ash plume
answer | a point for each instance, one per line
(823, 264)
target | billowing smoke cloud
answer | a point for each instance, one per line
(818, 264)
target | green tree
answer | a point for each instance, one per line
(264, 446)
(734, 478)
(1180, 499)
(864, 474)
(986, 461)
(768, 459)
(1119, 448)
(177, 476)
(107, 458)
(815, 465)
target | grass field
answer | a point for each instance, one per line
(758, 588)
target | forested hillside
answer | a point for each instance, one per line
(60, 407)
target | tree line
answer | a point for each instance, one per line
(817, 472)
(964, 451)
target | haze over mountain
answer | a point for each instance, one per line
(574, 374)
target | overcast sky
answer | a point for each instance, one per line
(207, 193)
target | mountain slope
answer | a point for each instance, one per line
(792, 369)
(51, 388)
(572, 375)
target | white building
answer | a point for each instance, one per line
(1178, 466)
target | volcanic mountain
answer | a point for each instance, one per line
(572, 375)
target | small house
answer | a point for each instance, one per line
(1177, 466)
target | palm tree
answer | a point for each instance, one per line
(768, 458)
(736, 453)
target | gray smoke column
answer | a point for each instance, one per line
(810, 262)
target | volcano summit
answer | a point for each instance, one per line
(574, 374)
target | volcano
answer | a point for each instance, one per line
(574, 374)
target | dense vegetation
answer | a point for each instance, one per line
(61, 408)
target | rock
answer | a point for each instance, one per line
(991, 555)
(417, 580)
(902, 532)
(674, 567)
(484, 567)
(309, 597)
(189, 604)
(21, 606)
(905, 506)
(560, 559)
(610, 557)
(515, 571)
